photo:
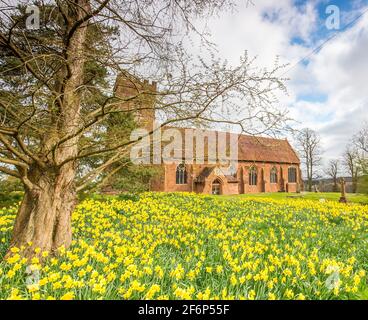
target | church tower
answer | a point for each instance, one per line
(140, 96)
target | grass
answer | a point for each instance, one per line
(330, 196)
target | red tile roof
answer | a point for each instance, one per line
(257, 148)
(264, 149)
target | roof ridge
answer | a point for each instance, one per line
(239, 134)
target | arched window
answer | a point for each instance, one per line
(181, 174)
(253, 176)
(292, 175)
(273, 175)
(216, 187)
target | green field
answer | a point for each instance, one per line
(331, 196)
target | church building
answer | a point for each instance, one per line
(263, 164)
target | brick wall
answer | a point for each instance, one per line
(263, 185)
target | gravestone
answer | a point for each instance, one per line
(343, 191)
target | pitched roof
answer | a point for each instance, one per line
(264, 149)
(255, 148)
(207, 171)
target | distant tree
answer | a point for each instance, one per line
(352, 164)
(363, 184)
(332, 171)
(309, 147)
(132, 178)
(361, 142)
(9, 184)
(361, 139)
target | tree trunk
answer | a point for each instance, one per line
(355, 185)
(310, 184)
(44, 217)
(335, 186)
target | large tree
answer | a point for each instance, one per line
(57, 96)
(309, 147)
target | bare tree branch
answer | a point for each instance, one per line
(310, 153)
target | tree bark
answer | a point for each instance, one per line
(355, 184)
(335, 186)
(310, 183)
(44, 217)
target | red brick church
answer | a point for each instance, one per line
(263, 164)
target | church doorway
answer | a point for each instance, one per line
(216, 187)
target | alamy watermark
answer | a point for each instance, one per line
(33, 19)
(333, 19)
(172, 145)
(33, 276)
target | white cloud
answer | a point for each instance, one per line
(265, 30)
(340, 70)
(329, 94)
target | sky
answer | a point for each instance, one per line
(327, 68)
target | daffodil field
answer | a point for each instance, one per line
(187, 246)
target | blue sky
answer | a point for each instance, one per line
(349, 12)
(327, 88)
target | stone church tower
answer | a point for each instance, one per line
(140, 99)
